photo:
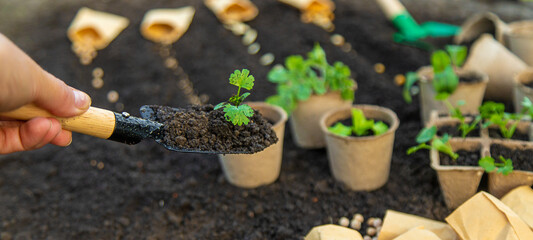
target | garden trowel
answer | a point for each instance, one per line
(105, 124)
(409, 31)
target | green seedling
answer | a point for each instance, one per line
(456, 113)
(441, 144)
(445, 79)
(360, 126)
(494, 113)
(300, 78)
(234, 111)
(489, 164)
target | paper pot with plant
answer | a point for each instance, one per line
(252, 170)
(360, 152)
(306, 89)
(444, 80)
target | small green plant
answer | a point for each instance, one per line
(234, 111)
(360, 126)
(489, 164)
(456, 113)
(445, 80)
(494, 113)
(441, 144)
(300, 78)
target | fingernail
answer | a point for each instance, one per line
(81, 99)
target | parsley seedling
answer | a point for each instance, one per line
(360, 126)
(440, 144)
(234, 111)
(488, 163)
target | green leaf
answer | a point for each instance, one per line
(440, 60)
(457, 54)
(487, 163)
(360, 124)
(414, 149)
(507, 166)
(379, 128)
(341, 130)
(317, 55)
(445, 82)
(241, 79)
(286, 103)
(222, 104)
(426, 134)
(295, 63)
(238, 115)
(489, 108)
(303, 92)
(410, 80)
(278, 74)
(347, 94)
(444, 147)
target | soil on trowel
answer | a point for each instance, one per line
(205, 129)
(453, 131)
(495, 133)
(522, 159)
(466, 158)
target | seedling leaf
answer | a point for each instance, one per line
(241, 79)
(457, 54)
(379, 128)
(238, 115)
(487, 163)
(410, 80)
(341, 130)
(414, 149)
(426, 134)
(360, 124)
(440, 60)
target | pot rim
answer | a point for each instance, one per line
(521, 80)
(519, 25)
(283, 115)
(392, 126)
(435, 160)
(461, 71)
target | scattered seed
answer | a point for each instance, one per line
(337, 40)
(164, 51)
(249, 37)
(314, 199)
(97, 83)
(367, 237)
(346, 47)
(237, 28)
(379, 68)
(359, 217)
(100, 165)
(184, 83)
(377, 222)
(93, 162)
(140, 164)
(370, 221)
(355, 224)
(119, 107)
(171, 63)
(85, 60)
(98, 72)
(254, 48)
(343, 221)
(112, 96)
(251, 214)
(175, 195)
(204, 98)
(399, 79)
(370, 231)
(267, 59)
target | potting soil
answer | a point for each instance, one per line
(453, 131)
(495, 133)
(466, 158)
(522, 159)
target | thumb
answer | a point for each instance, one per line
(59, 98)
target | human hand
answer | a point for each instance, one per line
(22, 81)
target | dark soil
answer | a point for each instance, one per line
(522, 159)
(98, 189)
(466, 158)
(495, 133)
(453, 131)
(203, 129)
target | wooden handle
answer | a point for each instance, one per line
(391, 8)
(95, 122)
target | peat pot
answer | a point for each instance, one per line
(519, 39)
(500, 184)
(458, 183)
(262, 168)
(470, 92)
(361, 163)
(521, 88)
(305, 119)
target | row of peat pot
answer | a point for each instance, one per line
(459, 182)
(361, 163)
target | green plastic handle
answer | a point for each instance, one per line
(410, 31)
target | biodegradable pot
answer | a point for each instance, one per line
(519, 39)
(440, 122)
(521, 90)
(501, 65)
(166, 25)
(499, 184)
(471, 93)
(305, 119)
(361, 163)
(458, 183)
(479, 24)
(254, 170)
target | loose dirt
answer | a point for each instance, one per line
(466, 158)
(522, 159)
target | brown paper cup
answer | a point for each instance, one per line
(166, 25)
(397, 223)
(361, 163)
(485, 217)
(418, 233)
(520, 200)
(231, 11)
(262, 168)
(331, 232)
(94, 28)
(501, 65)
(499, 185)
(471, 93)
(458, 183)
(479, 24)
(305, 119)
(520, 89)
(519, 39)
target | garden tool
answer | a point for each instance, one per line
(105, 124)
(409, 31)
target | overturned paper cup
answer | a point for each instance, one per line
(319, 12)
(397, 223)
(333, 232)
(481, 23)
(232, 11)
(520, 200)
(166, 25)
(94, 28)
(418, 233)
(519, 39)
